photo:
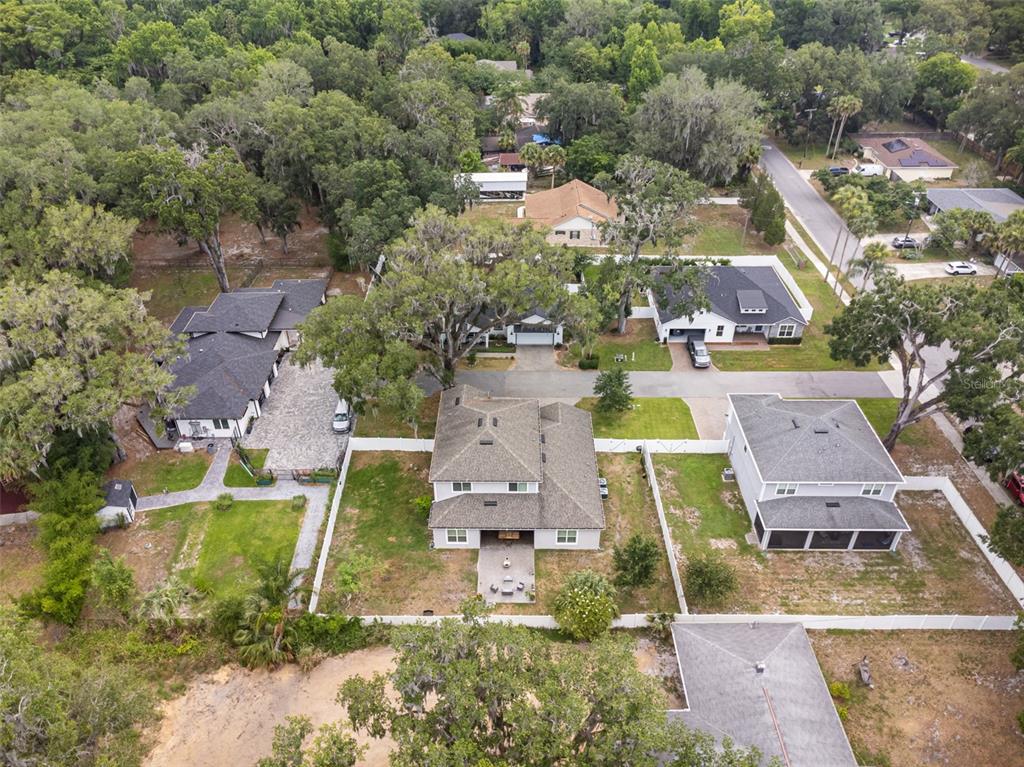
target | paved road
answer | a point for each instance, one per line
(980, 63)
(697, 383)
(816, 215)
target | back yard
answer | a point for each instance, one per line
(164, 470)
(213, 550)
(936, 569)
(628, 510)
(940, 697)
(379, 421)
(380, 561)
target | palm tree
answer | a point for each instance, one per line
(554, 156)
(842, 109)
(265, 637)
(871, 264)
(163, 607)
(508, 107)
(1009, 239)
(532, 156)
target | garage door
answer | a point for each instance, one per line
(682, 335)
(531, 338)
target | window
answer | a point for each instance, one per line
(457, 535)
(517, 487)
(560, 231)
(462, 487)
(720, 331)
(574, 234)
(785, 488)
(220, 423)
(872, 489)
(566, 537)
(787, 331)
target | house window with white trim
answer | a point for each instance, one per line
(462, 487)
(566, 537)
(785, 488)
(517, 487)
(719, 331)
(457, 535)
(574, 234)
(874, 488)
(220, 423)
(787, 331)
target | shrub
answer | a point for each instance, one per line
(349, 572)
(613, 391)
(224, 502)
(471, 359)
(114, 584)
(298, 502)
(585, 606)
(843, 712)
(1007, 538)
(422, 505)
(709, 579)
(332, 634)
(636, 561)
(225, 617)
(589, 363)
(840, 690)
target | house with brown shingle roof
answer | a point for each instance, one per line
(572, 212)
(907, 159)
(512, 467)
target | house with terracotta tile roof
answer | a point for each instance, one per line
(571, 213)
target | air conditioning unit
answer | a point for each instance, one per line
(729, 474)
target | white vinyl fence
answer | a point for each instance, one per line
(666, 533)
(397, 444)
(321, 565)
(617, 445)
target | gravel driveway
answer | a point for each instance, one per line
(296, 420)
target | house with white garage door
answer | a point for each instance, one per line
(744, 301)
(813, 474)
(509, 469)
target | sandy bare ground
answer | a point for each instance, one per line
(228, 716)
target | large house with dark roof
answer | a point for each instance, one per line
(745, 300)
(512, 468)
(234, 348)
(813, 474)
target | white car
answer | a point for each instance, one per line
(961, 267)
(342, 422)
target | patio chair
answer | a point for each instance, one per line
(494, 588)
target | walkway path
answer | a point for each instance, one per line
(213, 485)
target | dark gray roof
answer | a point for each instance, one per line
(839, 512)
(118, 492)
(812, 440)
(785, 710)
(227, 369)
(238, 312)
(459, 37)
(568, 494)
(751, 300)
(184, 317)
(725, 285)
(997, 201)
(300, 297)
(485, 439)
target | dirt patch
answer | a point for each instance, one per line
(228, 717)
(146, 550)
(940, 697)
(21, 561)
(241, 243)
(352, 283)
(658, 659)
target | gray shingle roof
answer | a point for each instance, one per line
(812, 440)
(118, 492)
(227, 369)
(184, 317)
(784, 710)
(997, 201)
(840, 512)
(725, 286)
(568, 494)
(300, 297)
(238, 312)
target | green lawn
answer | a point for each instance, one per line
(881, 412)
(650, 418)
(236, 476)
(379, 520)
(812, 352)
(639, 345)
(166, 470)
(216, 550)
(378, 421)
(815, 154)
(173, 288)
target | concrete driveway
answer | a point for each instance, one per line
(536, 358)
(296, 420)
(924, 270)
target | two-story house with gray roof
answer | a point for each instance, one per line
(744, 300)
(234, 348)
(813, 474)
(512, 469)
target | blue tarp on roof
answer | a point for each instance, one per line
(543, 138)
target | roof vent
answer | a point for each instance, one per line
(486, 441)
(821, 430)
(490, 503)
(494, 421)
(458, 400)
(479, 422)
(542, 439)
(117, 485)
(759, 668)
(543, 457)
(795, 424)
(831, 504)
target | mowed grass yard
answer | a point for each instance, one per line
(811, 353)
(936, 569)
(378, 520)
(639, 345)
(165, 470)
(378, 421)
(650, 418)
(216, 551)
(628, 510)
(237, 476)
